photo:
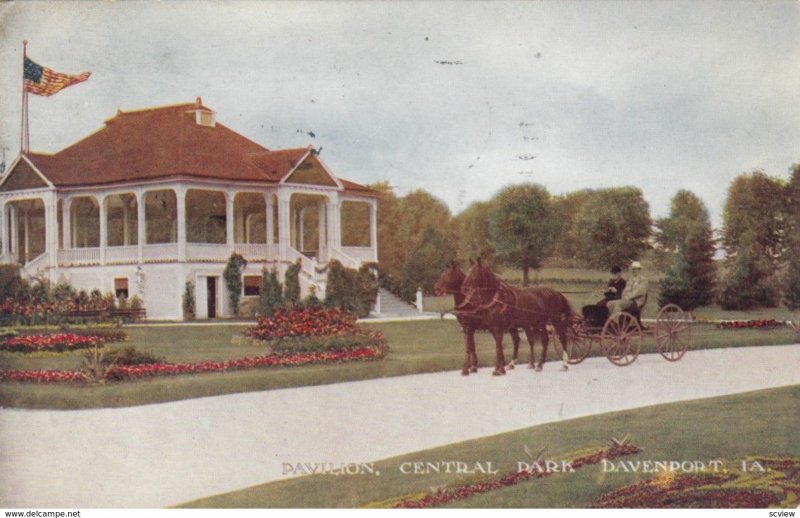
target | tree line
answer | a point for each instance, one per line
(523, 225)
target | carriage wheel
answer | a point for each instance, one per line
(579, 343)
(621, 339)
(673, 332)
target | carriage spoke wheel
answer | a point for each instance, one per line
(673, 332)
(579, 344)
(621, 339)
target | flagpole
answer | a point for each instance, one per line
(24, 133)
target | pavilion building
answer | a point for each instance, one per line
(162, 196)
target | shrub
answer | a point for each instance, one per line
(271, 292)
(748, 285)
(10, 281)
(132, 356)
(135, 302)
(352, 290)
(233, 279)
(189, 310)
(292, 282)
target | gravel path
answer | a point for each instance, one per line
(161, 455)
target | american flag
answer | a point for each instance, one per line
(41, 80)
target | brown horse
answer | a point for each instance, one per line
(502, 307)
(449, 283)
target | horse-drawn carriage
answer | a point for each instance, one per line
(485, 302)
(621, 337)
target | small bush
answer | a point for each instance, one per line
(292, 282)
(132, 356)
(322, 344)
(351, 290)
(189, 311)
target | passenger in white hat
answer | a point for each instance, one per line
(634, 294)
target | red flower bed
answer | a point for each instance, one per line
(54, 342)
(509, 479)
(167, 369)
(750, 324)
(42, 376)
(310, 321)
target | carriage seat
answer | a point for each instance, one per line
(595, 315)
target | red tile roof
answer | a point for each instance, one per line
(166, 142)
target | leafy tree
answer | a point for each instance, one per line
(473, 230)
(791, 296)
(523, 227)
(567, 207)
(426, 262)
(271, 292)
(612, 227)
(401, 227)
(755, 224)
(687, 236)
(755, 213)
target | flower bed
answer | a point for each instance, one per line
(750, 324)
(310, 321)
(124, 372)
(777, 485)
(58, 342)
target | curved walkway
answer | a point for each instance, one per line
(161, 455)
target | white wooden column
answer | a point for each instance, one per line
(283, 224)
(141, 227)
(323, 231)
(26, 226)
(301, 229)
(66, 222)
(373, 228)
(52, 224)
(126, 238)
(229, 226)
(270, 221)
(180, 195)
(14, 231)
(335, 222)
(101, 201)
(4, 230)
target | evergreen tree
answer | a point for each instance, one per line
(748, 285)
(292, 282)
(271, 292)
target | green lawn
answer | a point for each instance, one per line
(729, 428)
(416, 347)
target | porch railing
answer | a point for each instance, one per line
(39, 262)
(256, 252)
(79, 256)
(122, 254)
(165, 252)
(207, 251)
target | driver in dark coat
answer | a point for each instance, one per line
(614, 287)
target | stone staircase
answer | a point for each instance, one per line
(392, 306)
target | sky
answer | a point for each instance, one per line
(457, 98)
